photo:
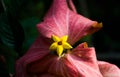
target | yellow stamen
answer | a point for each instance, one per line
(60, 44)
(85, 45)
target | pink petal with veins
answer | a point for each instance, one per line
(108, 69)
(39, 49)
(81, 62)
(79, 26)
(56, 20)
(84, 60)
(62, 20)
(53, 65)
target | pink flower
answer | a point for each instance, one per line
(108, 69)
(52, 54)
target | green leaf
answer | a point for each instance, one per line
(11, 39)
(11, 31)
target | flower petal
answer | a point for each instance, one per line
(64, 38)
(85, 61)
(61, 20)
(108, 69)
(59, 50)
(42, 65)
(55, 38)
(53, 65)
(56, 20)
(39, 49)
(66, 45)
(80, 26)
(69, 65)
(53, 46)
(95, 27)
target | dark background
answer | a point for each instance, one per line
(18, 19)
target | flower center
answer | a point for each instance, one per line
(60, 44)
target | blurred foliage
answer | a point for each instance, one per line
(18, 19)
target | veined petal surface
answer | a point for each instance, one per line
(39, 49)
(60, 20)
(80, 63)
(108, 69)
(56, 20)
(85, 61)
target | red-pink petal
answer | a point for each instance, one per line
(84, 60)
(80, 26)
(56, 20)
(53, 65)
(61, 20)
(108, 69)
(81, 62)
(38, 50)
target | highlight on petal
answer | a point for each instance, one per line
(59, 50)
(109, 70)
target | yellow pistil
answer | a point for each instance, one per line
(60, 44)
